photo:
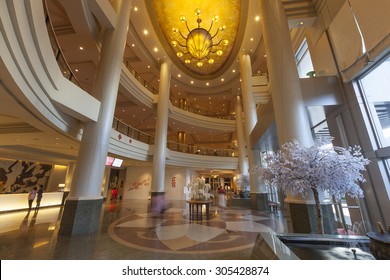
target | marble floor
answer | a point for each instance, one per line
(128, 230)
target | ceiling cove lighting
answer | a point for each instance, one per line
(198, 44)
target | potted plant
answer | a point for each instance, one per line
(299, 170)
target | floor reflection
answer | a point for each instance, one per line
(128, 230)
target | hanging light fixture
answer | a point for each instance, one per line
(199, 42)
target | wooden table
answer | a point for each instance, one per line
(196, 209)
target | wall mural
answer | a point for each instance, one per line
(139, 184)
(21, 176)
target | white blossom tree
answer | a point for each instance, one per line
(199, 190)
(322, 167)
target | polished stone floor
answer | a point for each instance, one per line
(128, 230)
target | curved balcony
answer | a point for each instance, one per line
(138, 135)
(124, 129)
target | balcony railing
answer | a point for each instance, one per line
(136, 134)
(132, 132)
(126, 129)
(62, 63)
(207, 113)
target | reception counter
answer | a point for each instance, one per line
(19, 201)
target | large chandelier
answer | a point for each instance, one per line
(199, 42)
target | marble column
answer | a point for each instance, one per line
(68, 180)
(160, 143)
(181, 137)
(242, 157)
(290, 113)
(258, 195)
(182, 103)
(84, 203)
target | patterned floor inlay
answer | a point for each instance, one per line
(173, 232)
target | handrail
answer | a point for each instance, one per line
(136, 134)
(60, 58)
(122, 127)
(131, 132)
(139, 78)
(207, 113)
(68, 73)
(176, 103)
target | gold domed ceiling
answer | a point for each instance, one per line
(199, 36)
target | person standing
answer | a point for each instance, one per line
(39, 196)
(31, 197)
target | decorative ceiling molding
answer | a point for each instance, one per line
(165, 15)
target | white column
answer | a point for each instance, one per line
(290, 113)
(249, 113)
(242, 157)
(247, 95)
(160, 143)
(69, 176)
(82, 208)
(91, 160)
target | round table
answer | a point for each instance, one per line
(196, 209)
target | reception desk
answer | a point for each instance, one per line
(19, 201)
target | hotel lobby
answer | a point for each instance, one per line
(116, 108)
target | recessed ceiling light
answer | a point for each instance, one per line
(77, 70)
(222, 79)
(135, 8)
(234, 70)
(192, 82)
(155, 49)
(146, 32)
(81, 48)
(207, 84)
(257, 18)
(133, 45)
(179, 75)
(251, 39)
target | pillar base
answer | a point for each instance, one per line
(302, 218)
(80, 217)
(259, 201)
(157, 202)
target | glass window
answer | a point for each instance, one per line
(317, 118)
(303, 60)
(376, 91)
